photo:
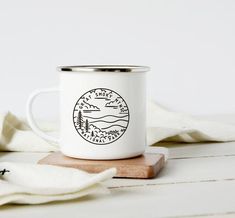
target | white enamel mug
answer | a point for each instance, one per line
(102, 111)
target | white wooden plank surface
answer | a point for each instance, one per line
(187, 171)
(198, 181)
(183, 150)
(201, 150)
(146, 201)
(25, 157)
(193, 163)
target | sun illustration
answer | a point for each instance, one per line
(101, 116)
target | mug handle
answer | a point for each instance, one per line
(30, 117)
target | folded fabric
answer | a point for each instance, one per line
(16, 135)
(162, 125)
(35, 184)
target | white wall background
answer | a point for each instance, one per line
(190, 46)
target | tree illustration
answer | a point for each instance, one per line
(79, 120)
(87, 125)
(92, 134)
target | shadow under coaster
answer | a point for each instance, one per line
(144, 166)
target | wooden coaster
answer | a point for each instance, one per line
(144, 166)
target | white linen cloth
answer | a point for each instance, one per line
(35, 184)
(31, 183)
(163, 125)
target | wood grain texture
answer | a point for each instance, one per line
(144, 166)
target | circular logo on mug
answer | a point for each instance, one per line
(101, 116)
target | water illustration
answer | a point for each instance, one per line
(101, 116)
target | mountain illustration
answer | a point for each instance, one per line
(101, 116)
